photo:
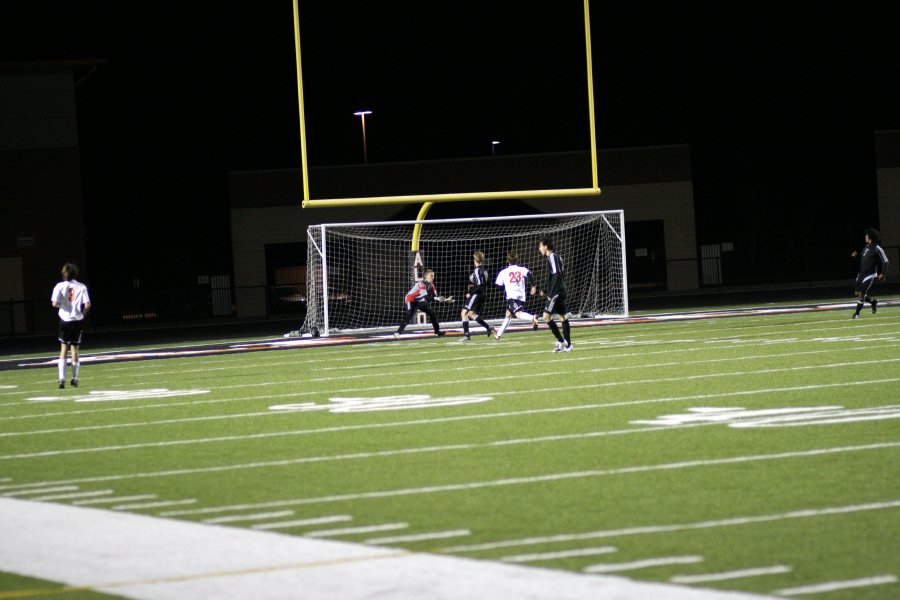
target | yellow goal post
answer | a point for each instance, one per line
(429, 199)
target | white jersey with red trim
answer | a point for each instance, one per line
(515, 280)
(71, 297)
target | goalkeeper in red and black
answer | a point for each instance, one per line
(419, 297)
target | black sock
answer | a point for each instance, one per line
(465, 327)
(859, 306)
(480, 320)
(555, 329)
(566, 332)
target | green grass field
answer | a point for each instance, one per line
(755, 453)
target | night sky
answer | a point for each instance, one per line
(779, 104)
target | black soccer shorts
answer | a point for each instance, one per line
(556, 305)
(70, 332)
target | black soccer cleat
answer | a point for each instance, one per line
(491, 332)
(534, 324)
(440, 333)
(74, 382)
(62, 384)
(874, 306)
(855, 316)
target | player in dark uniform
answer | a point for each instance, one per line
(872, 267)
(419, 297)
(475, 297)
(556, 296)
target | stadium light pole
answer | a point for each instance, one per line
(362, 115)
(494, 147)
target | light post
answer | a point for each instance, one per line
(494, 147)
(362, 115)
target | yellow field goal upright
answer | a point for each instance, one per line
(467, 196)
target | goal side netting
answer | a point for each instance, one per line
(359, 273)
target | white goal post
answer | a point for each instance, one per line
(359, 273)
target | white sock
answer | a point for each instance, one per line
(62, 369)
(524, 315)
(503, 327)
(75, 366)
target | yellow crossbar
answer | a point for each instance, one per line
(460, 197)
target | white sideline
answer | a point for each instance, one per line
(148, 558)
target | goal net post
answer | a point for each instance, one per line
(359, 273)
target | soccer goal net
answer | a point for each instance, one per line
(359, 273)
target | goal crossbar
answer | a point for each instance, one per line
(464, 220)
(456, 197)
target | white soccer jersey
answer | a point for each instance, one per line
(71, 296)
(513, 279)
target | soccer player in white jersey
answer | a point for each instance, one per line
(71, 297)
(478, 286)
(515, 279)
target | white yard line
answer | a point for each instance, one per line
(419, 537)
(728, 575)
(548, 477)
(353, 456)
(679, 350)
(691, 363)
(302, 522)
(269, 383)
(766, 372)
(654, 340)
(675, 328)
(832, 586)
(523, 558)
(43, 490)
(643, 564)
(674, 527)
(375, 454)
(339, 429)
(115, 499)
(320, 533)
(161, 504)
(158, 559)
(251, 517)
(73, 496)
(506, 392)
(619, 343)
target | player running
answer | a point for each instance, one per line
(419, 298)
(71, 297)
(873, 264)
(475, 297)
(515, 279)
(556, 296)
